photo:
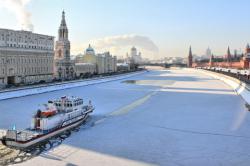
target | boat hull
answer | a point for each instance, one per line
(45, 137)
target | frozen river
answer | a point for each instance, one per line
(163, 117)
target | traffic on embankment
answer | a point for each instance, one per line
(26, 91)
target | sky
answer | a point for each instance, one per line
(158, 28)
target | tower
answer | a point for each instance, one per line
(63, 67)
(133, 51)
(211, 60)
(247, 52)
(228, 55)
(190, 58)
(62, 49)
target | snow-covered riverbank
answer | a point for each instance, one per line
(240, 88)
(60, 86)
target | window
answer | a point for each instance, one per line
(60, 53)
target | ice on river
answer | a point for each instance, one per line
(162, 117)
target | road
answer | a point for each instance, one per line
(164, 117)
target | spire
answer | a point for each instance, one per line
(248, 46)
(190, 58)
(63, 22)
(63, 30)
(228, 56)
(190, 51)
(228, 51)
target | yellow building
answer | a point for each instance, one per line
(104, 63)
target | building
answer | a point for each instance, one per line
(207, 54)
(63, 65)
(190, 58)
(137, 58)
(123, 67)
(105, 62)
(25, 57)
(84, 69)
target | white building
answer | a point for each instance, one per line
(25, 57)
(136, 57)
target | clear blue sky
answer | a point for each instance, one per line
(172, 25)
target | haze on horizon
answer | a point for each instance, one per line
(158, 28)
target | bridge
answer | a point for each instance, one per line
(161, 117)
(166, 65)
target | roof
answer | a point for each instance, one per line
(78, 64)
(122, 64)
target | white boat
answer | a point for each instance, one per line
(58, 116)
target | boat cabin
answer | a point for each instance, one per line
(68, 104)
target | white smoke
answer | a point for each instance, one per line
(119, 45)
(17, 7)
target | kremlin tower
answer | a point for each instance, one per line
(190, 58)
(247, 52)
(228, 57)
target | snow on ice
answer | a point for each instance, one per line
(162, 117)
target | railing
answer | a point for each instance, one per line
(241, 76)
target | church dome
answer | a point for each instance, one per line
(90, 50)
(133, 48)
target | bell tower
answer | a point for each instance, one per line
(63, 67)
(62, 44)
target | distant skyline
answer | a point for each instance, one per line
(158, 28)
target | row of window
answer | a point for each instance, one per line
(25, 60)
(28, 46)
(28, 70)
(70, 104)
(26, 39)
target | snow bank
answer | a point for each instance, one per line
(240, 87)
(43, 89)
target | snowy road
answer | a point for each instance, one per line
(166, 117)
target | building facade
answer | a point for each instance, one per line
(83, 69)
(137, 58)
(25, 57)
(104, 63)
(63, 65)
